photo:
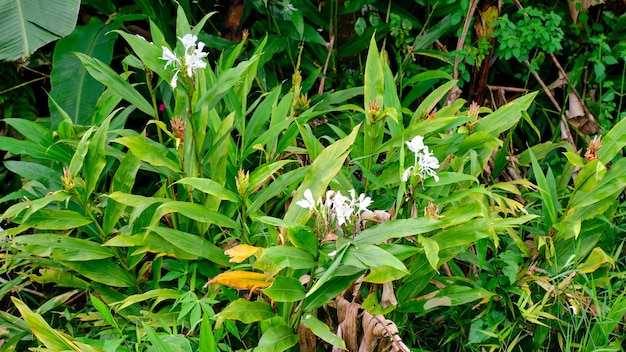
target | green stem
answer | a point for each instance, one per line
(154, 104)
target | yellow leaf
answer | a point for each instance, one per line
(595, 260)
(243, 280)
(241, 252)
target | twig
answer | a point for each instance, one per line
(461, 41)
(508, 89)
(331, 43)
(27, 290)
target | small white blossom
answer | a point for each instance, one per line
(308, 202)
(416, 144)
(425, 162)
(169, 57)
(190, 61)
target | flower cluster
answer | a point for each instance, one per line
(190, 61)
(345, 210)
(425, 161)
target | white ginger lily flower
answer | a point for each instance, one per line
(190, 61)
(425, 161)
(308, 202)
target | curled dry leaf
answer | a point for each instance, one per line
(307, 341)
(578, 6)
(579, 117)
(347, 313)
(376, 327)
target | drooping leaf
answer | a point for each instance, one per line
(192, 244)
(103, 271)
(247, 312)
(208, 186)
(506, 116)
(149, 151)
(49, 219)
(62, 247)
(26, 25)
(277, 339)
(105, 75)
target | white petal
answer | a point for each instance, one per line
(407, 174)
(189, 41)
(416, 144)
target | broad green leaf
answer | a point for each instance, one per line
(374, 84)
(505, 117)
(149, 242)
(330, 272)
(49, 219)
(322, 330)
(384, 274)
(73, 89)
(211, 187)
(429, 103)
(158, 344)
(324, 168)
(159, 295)
(290, 257)
(26, 25)
(247, 312)
(150, 54)
(613, 142)
(103, 271)
(61, 247)
(304, 239)
(277, 339)
(103, 309)
(134, 200)
(431, 249)
(95, 160)
(50, 178)
(207, 339)
(328, 292)
(194, 211)
(150, 151)
(192, 244)
(123, 181)
(595, 260)
(52, 339)
(22, 147)
(397, 229)
(285, 289)
(35, 205)
(105, 75)
(371, 256)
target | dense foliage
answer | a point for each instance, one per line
(301, 175)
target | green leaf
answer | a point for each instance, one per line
(105, 75)
(75, 91)
(322, 330)
(150, 151)
(211, 187)
(160, 294)
(322, 171)
(290, 257)
(26, 25)
(103, 271)
(49, 219)
(61, 247)
(192, 244)
(158, 345)
(285, 289)
(123, 181)
(505, 117)
(194, 211)
(276, 339)
(372, 256)
(22, 147)
(150, 54)
(47, 335)
(429, 103)
(247, 312)
(613, 142)
(95, 160)
(431, 249)
(207, 339)
(103, 309)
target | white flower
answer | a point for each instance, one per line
(425, 162)
(308, 202)
(190, 61)
(416, 144)
(189, 41)
(169, 57)
(364, 202)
